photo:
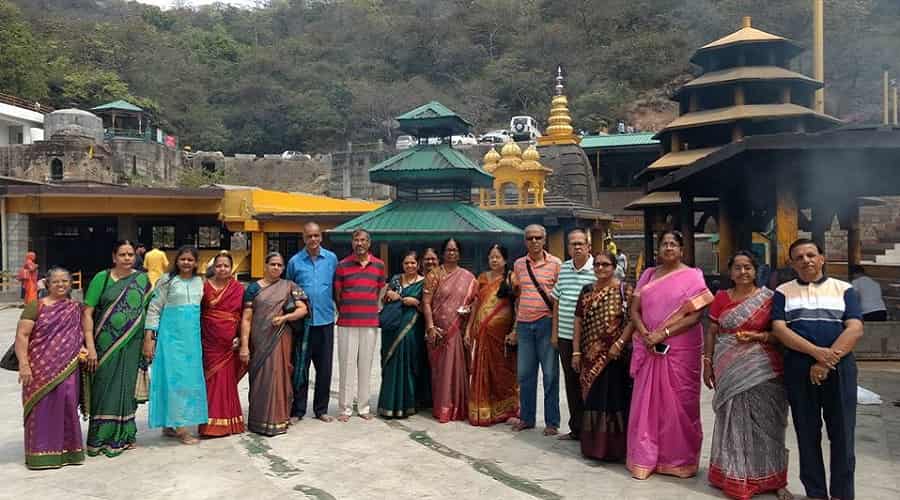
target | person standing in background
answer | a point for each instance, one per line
(156, 263)
(870, 295)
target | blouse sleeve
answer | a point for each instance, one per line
(95, 289)
(718, 303)
(157, 303)
(30, 312)
(431, 283)
(250, 294)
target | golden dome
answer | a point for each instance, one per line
(530, 160)
(490, 160)
(511, 155)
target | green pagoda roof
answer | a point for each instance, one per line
(414, 221)
(618, 140)
(433, 120)
(432, 165)
(118, 105)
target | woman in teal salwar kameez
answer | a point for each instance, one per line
(178, 387)
(401, 325)
(115, 306)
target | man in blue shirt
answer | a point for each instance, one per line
(313, 269)
(818, 319)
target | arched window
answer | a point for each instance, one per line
(56, 170)
(510, 194)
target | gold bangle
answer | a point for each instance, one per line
(576, 353)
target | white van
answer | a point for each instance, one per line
(524, 128)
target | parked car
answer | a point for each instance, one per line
(464, 140)
(295, 155)
(524, 128)
(495, 137)
(405, 142)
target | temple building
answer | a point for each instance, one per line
(749, 137)
(432, 185)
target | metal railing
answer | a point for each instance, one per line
(25, 104)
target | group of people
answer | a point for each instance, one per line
(469, 348)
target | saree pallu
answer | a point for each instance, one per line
(664, 429)
(178, 388)
(118, 334)
(605, 385)
(447, 355)
(397, 398)
(271, 394)
(52, 429)
(748, 455)
(220, 321)
(493, 387)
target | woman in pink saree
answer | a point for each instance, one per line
(664, 430)
(448, 296)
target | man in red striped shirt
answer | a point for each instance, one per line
(534, 276)
(358, 281)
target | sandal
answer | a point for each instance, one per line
(187, 439)
(169, 432)
(551, 431)
(521, 426)
(366, 416)
(343, 418)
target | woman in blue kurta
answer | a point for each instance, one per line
(177, 388)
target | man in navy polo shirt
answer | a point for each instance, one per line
(313, 269)
(819, 320)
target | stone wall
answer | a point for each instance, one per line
(79, 157)
(17, 240)
(349, 175)
(145, 162)
(306, 176)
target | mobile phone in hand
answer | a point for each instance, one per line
(661, 348)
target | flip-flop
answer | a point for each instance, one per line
(343, 418)
(366, 416)
(551, 431)
(169, 432)
(567, 437)
(325, 418)
(521, 426)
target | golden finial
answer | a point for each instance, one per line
(511, 155)
(530, 160)
(560, 129)
(490, 160)
(747, 22)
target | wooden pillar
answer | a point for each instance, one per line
(257, 254)
(737, 132)
(786, 220)
(693, 104)
(649, 247)
(821, 221)
(676, 142)
(727, 241)
(786, 95)
(686, 216)
(384, 255)
(849, 219)
(739, 96)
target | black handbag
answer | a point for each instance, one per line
(10, 361)
(297, 325)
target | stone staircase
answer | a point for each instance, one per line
(890, 257)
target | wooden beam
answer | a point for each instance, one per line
(848, 216)
(686, 216)
(726, 234)
(649, 259)
(786, 220)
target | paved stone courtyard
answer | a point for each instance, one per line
(413, 458)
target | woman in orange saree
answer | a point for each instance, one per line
(493, 388)
(220, 321)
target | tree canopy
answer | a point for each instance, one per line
(311, 75)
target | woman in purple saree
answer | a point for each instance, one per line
(664, 430)
(49, 339)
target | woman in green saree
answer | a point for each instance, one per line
(115, 306)
(401, 325)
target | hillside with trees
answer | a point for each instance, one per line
(311, 75)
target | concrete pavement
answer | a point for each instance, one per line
(406, 459)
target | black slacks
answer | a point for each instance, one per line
(835, 401)
(573, 386)
(320, 353)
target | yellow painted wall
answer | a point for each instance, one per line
(241, 259)
(258, 251)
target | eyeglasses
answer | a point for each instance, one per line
(602, 264)
(534, 238)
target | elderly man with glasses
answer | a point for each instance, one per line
(534, 276)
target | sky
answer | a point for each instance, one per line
(168, 3)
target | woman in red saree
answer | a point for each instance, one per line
(449, 292)
(28, 276)
(49, 339)
(664, 430)
(744, 366)
(220, 322)
(493, 388)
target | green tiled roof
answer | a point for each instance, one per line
(618, 140)
(432, 165)
(120, 104)
(401, 221)
(433, 120)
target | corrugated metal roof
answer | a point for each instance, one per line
(663, 199)
(750, 73)
(433, 109)
(410, 220)
(681, 158)
(742, 112)
(618, 140)
(745, 36)
(120, 104)
(433, 163)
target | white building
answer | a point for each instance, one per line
(20, 121)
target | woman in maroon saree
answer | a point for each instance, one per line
(220, 321)
(448, 295)
(49, 339)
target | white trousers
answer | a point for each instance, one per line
(356, 348)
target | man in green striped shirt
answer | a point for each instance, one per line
(573, 275)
